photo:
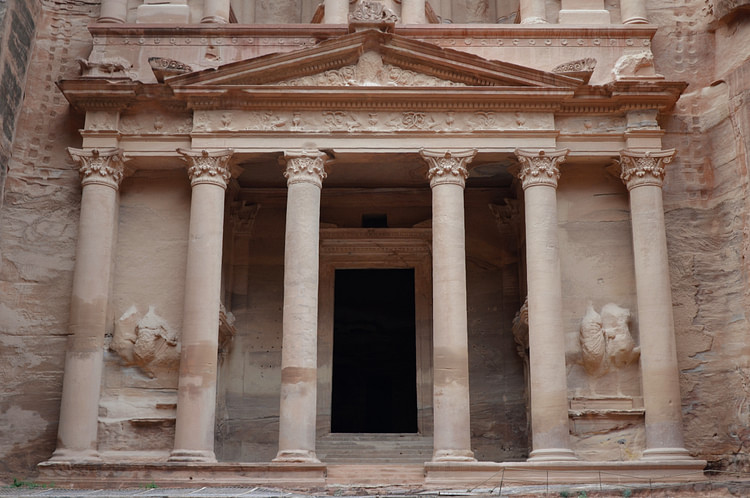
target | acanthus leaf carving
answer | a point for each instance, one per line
(99, 166)
(644, 168)
(211, 167)
(447, 166)
(539, 167)
(303, 166)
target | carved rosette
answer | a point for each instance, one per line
(305, 166)
(99, 166)
(211, 167)
(447, 166)
(539, 167)
(644, 168)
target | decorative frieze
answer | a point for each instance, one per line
(99, 166)
(447, 166)
(644, 168)
(305, 167)
(390, 75)
(539, 167)
(327, 121)
(210, 167)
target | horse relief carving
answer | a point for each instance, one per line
(606, 341)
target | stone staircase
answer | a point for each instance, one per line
(374, 448)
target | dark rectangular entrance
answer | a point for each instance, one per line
(374, 352)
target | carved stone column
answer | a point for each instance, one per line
(643, 174)
(101, 172)
(452, 436)
(336, 12)
(533, 12)
(583, 12)
(215, 11)
(413, 12)
(305, 172)
(196, 392)
(539, 173)
(633, 12)
(113, 11)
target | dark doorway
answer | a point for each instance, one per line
(374, 352)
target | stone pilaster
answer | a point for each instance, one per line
(101, 172)
(447, 174)
(539, 173)
(633, 12)
(305, 172)
(215, 11)
(196, 392)
(413, 12)
(113, 11)
(643, 174)
(533, 12)
(336, 12)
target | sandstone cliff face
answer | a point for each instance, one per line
(706, 200)
(706, 203)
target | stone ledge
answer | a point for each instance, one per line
(579, 472)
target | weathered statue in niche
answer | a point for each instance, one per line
(606, 341)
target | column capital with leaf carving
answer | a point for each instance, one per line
(211, 167)
(446, 166)
(539, 167)
(99, 166)
(640, 168)
(305, 166)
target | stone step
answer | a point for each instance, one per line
(358, 474)
(374, 448)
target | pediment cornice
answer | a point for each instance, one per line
(405, 53)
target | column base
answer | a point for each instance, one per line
(296, 456)
(453, 456)
(584, 17)
(552, 455)
(666, 454)
(62, 455)
(162, 14)
(534, 20)
(198, 456)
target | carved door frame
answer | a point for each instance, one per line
(369, 248)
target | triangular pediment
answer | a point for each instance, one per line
(373, 59)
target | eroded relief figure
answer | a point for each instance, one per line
(605, 339)
(149, 343)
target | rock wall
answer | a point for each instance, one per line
(706, 203)
(38, 223)
(18, 22)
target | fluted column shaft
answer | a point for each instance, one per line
(413, 12)
(113, 11)
(533, 12)
(305, 172)
(633, 12)
(643, 173)
(196, 392)
(101, 173)
(452, 434)
(215, 11)
(539, 173)
(336, 12)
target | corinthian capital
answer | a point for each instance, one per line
(644, 168)
(539, 167)
(305, 166)
(210, 167)
(99, 166)
(447, 166)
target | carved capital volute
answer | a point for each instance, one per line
(644, 168)
(211, 167)
(539, 167)
(305, 166)
(99, 166)
(447, 166)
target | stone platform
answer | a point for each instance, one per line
(442, 475)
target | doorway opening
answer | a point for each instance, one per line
(374, 352)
